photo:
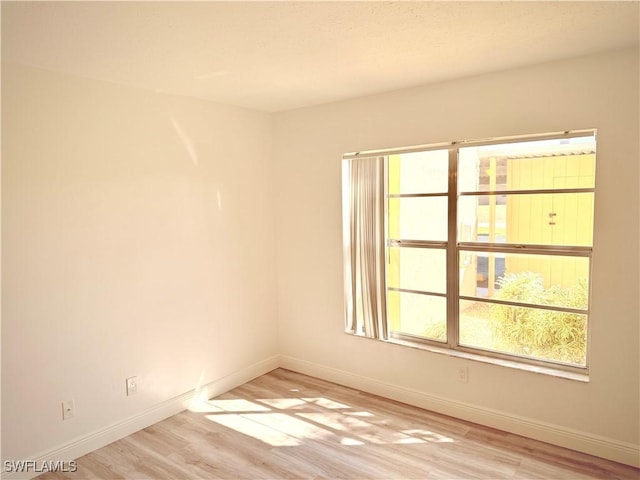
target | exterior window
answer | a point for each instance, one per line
(482, 247)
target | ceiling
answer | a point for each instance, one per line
(275, 56)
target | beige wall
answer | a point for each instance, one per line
(138, 239)
(592, 92)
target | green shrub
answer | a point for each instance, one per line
(437, 331)
(540, 333)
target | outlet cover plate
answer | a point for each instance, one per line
(132, 386)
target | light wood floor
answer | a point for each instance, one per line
(288, 425)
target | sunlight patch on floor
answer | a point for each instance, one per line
(337, 421)
(408, 440)
(267, 420)
(326, 403)
(238, 405)
(359, 414)
(350, 441)
(428, 435)
(283, 403)
(255, 429)
(291, 425)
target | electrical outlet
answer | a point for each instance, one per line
(463, 374)
(68, 409)
(132, 386)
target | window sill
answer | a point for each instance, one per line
(554, 372)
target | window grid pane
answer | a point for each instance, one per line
(524, 219)
(421, 269)
(542, 280)
(417, 314)
(554, 336)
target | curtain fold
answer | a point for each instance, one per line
(364, 248)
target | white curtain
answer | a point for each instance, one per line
(364, 247)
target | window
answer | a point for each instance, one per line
(482, 247)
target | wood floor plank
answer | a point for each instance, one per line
(285, 425)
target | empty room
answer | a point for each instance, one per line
(320, 240)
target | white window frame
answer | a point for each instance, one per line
(453, 248)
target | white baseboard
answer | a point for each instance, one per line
(626, 453)
(576, 440)
(88, 443)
